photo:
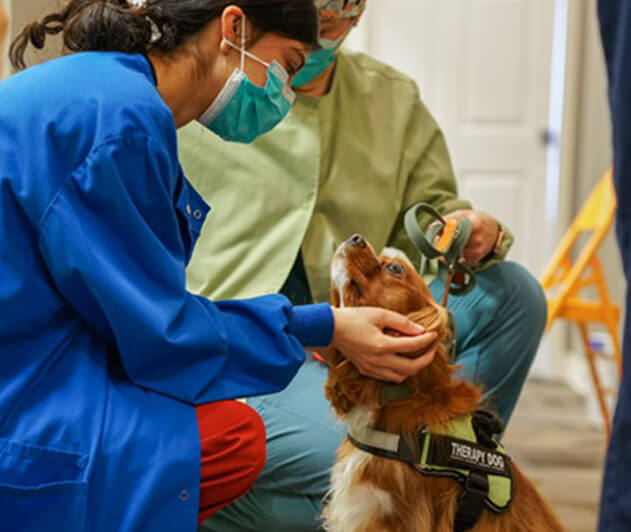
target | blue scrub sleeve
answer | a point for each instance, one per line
(114, 243)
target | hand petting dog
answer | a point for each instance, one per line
(376, 354)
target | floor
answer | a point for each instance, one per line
(560, 451)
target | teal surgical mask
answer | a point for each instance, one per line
(319, 60)
(244, 111)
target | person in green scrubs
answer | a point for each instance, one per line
(358, 149)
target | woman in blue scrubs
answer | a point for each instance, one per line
(112, 375)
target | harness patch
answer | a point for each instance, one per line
(461, 454)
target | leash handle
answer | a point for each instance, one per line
(452, 236)
(424, 242)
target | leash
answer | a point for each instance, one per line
(444, 239)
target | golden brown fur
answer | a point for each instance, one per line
(416, 502)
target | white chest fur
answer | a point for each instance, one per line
(353, 504)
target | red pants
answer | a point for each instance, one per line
(233, 453)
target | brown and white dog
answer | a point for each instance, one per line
(370, 493)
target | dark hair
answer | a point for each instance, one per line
(118, 25)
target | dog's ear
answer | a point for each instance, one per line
(346, 387)
(340, 403)
(431, 318)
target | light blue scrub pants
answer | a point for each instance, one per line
(498, 326)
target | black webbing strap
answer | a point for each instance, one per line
(471, 501)
(394, 392)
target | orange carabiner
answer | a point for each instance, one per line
(446, 237)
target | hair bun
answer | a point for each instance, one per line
(37, 34)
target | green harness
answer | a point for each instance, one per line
(466, 450)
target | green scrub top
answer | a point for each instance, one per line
(351, 162)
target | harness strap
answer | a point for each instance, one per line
(394, 392)
(384, 444)
(471, 502)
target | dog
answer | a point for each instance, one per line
(377, 493)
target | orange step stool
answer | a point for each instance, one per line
(565, 278)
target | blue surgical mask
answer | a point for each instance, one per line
(319, 60)
(244, 111)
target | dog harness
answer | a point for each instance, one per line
(466, 450)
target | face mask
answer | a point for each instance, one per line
(244, 111)
(319, 60)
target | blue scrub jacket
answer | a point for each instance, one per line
(615, 20)
(103, 352)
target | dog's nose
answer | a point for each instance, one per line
(358, 240)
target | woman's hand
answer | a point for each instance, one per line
(359, 336)
(484, 234)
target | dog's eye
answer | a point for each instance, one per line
(395, 269)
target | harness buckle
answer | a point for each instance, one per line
(477, 483)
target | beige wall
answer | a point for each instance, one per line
(4, 4)
(25, 11)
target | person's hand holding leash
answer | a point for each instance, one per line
(485, 234)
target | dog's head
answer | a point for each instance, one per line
(361, 278)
